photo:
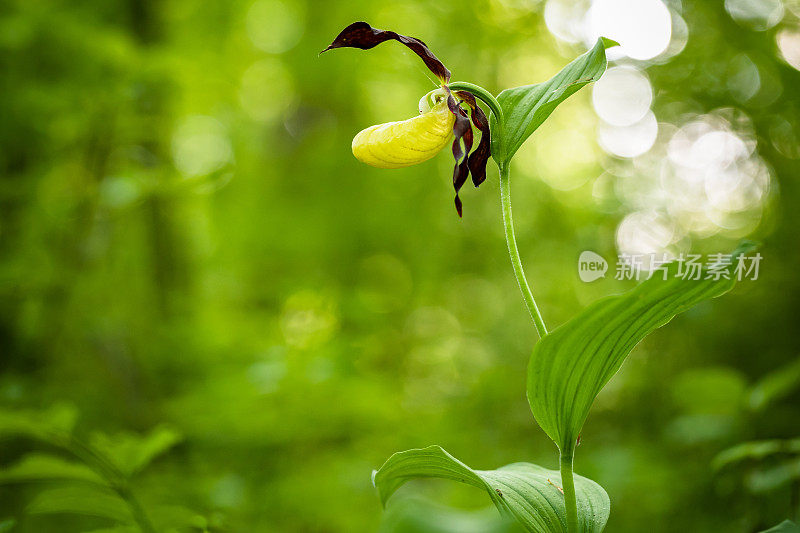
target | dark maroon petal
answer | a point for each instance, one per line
(461, 131)
(362, 35)
(478, 158)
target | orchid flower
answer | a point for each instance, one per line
(444, 114)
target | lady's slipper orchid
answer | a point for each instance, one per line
(442, 115)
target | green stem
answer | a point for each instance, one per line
(505, 199)
(513, 251)
(482, 94)
(568, 485)
(136, 508)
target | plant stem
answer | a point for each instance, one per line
(482, 94)
(513, 251)
(568, 485)
(136, 508)
(505, 200)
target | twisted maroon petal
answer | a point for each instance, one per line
(461, 131)
(478, 158)
(362, 35)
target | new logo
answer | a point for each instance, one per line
(591, 266)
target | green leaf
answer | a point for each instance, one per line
(130, 453)
(529, 493)
(177, 518)
(117, 529)
(45, 467)
(755, 451)
(51, 425)
(763, 480)
(570, 365)
(414, 515)
(609, 43)
(787, 526)
(526, 108)
(775, 386)
(81, 500)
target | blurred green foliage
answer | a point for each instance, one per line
(187, 242)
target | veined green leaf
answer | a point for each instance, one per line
(416, 515)
(526, 107)
(50, 425)
(81, 500)
(763, 480)
(755, 451)
(117, 529)
(775, 386)
(130, 453)
(45, 467)
(529, 493)
(570, 366)
(787, 526)
(177, 518)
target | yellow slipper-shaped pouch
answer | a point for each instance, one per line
(407, 142)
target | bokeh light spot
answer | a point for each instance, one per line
(622, 96)
(784, 137)
(275, 26)
(645, 233)
(789, 45)
(629, 141)
(642, 27)
(744, 81)
(565, 158)
(565, 19)
(200, 145)
(757, 15)
(680, 36)
(266, 90)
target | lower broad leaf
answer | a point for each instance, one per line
(529, 493)
(417, 515)
(117, 529)
(787, 526)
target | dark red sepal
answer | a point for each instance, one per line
(362, 35)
